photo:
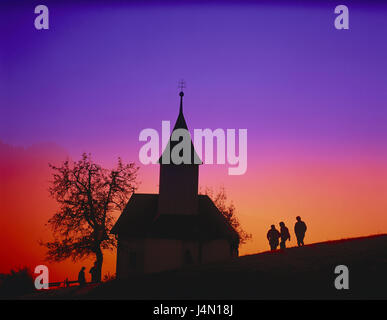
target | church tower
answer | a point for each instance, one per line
(177, 227)
(178, 185)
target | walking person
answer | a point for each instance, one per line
(285, 235)
(299, 230)
(273, 236)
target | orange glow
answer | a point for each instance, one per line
(337, 199)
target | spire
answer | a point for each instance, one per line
(181, 86)
(181, 94)
(181, 124)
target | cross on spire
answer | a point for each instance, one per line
(181, 85)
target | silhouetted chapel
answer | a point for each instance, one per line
(176, 227)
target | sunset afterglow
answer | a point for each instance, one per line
(313, 100)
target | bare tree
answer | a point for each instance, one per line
(87, 195)
(229, 212)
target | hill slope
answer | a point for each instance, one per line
(296, 273)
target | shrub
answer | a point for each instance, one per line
(16, 283)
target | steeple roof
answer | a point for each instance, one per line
(140, 219)
(180, 124)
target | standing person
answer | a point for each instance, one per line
(285, 235)
(273, 236)
(93, 272)
(81, 277)
(299, 230)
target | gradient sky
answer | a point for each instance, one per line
(313, 99)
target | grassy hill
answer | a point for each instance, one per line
(296, 273)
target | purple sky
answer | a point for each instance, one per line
(103, 73)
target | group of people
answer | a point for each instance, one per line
(274, 236)
(92, 271)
